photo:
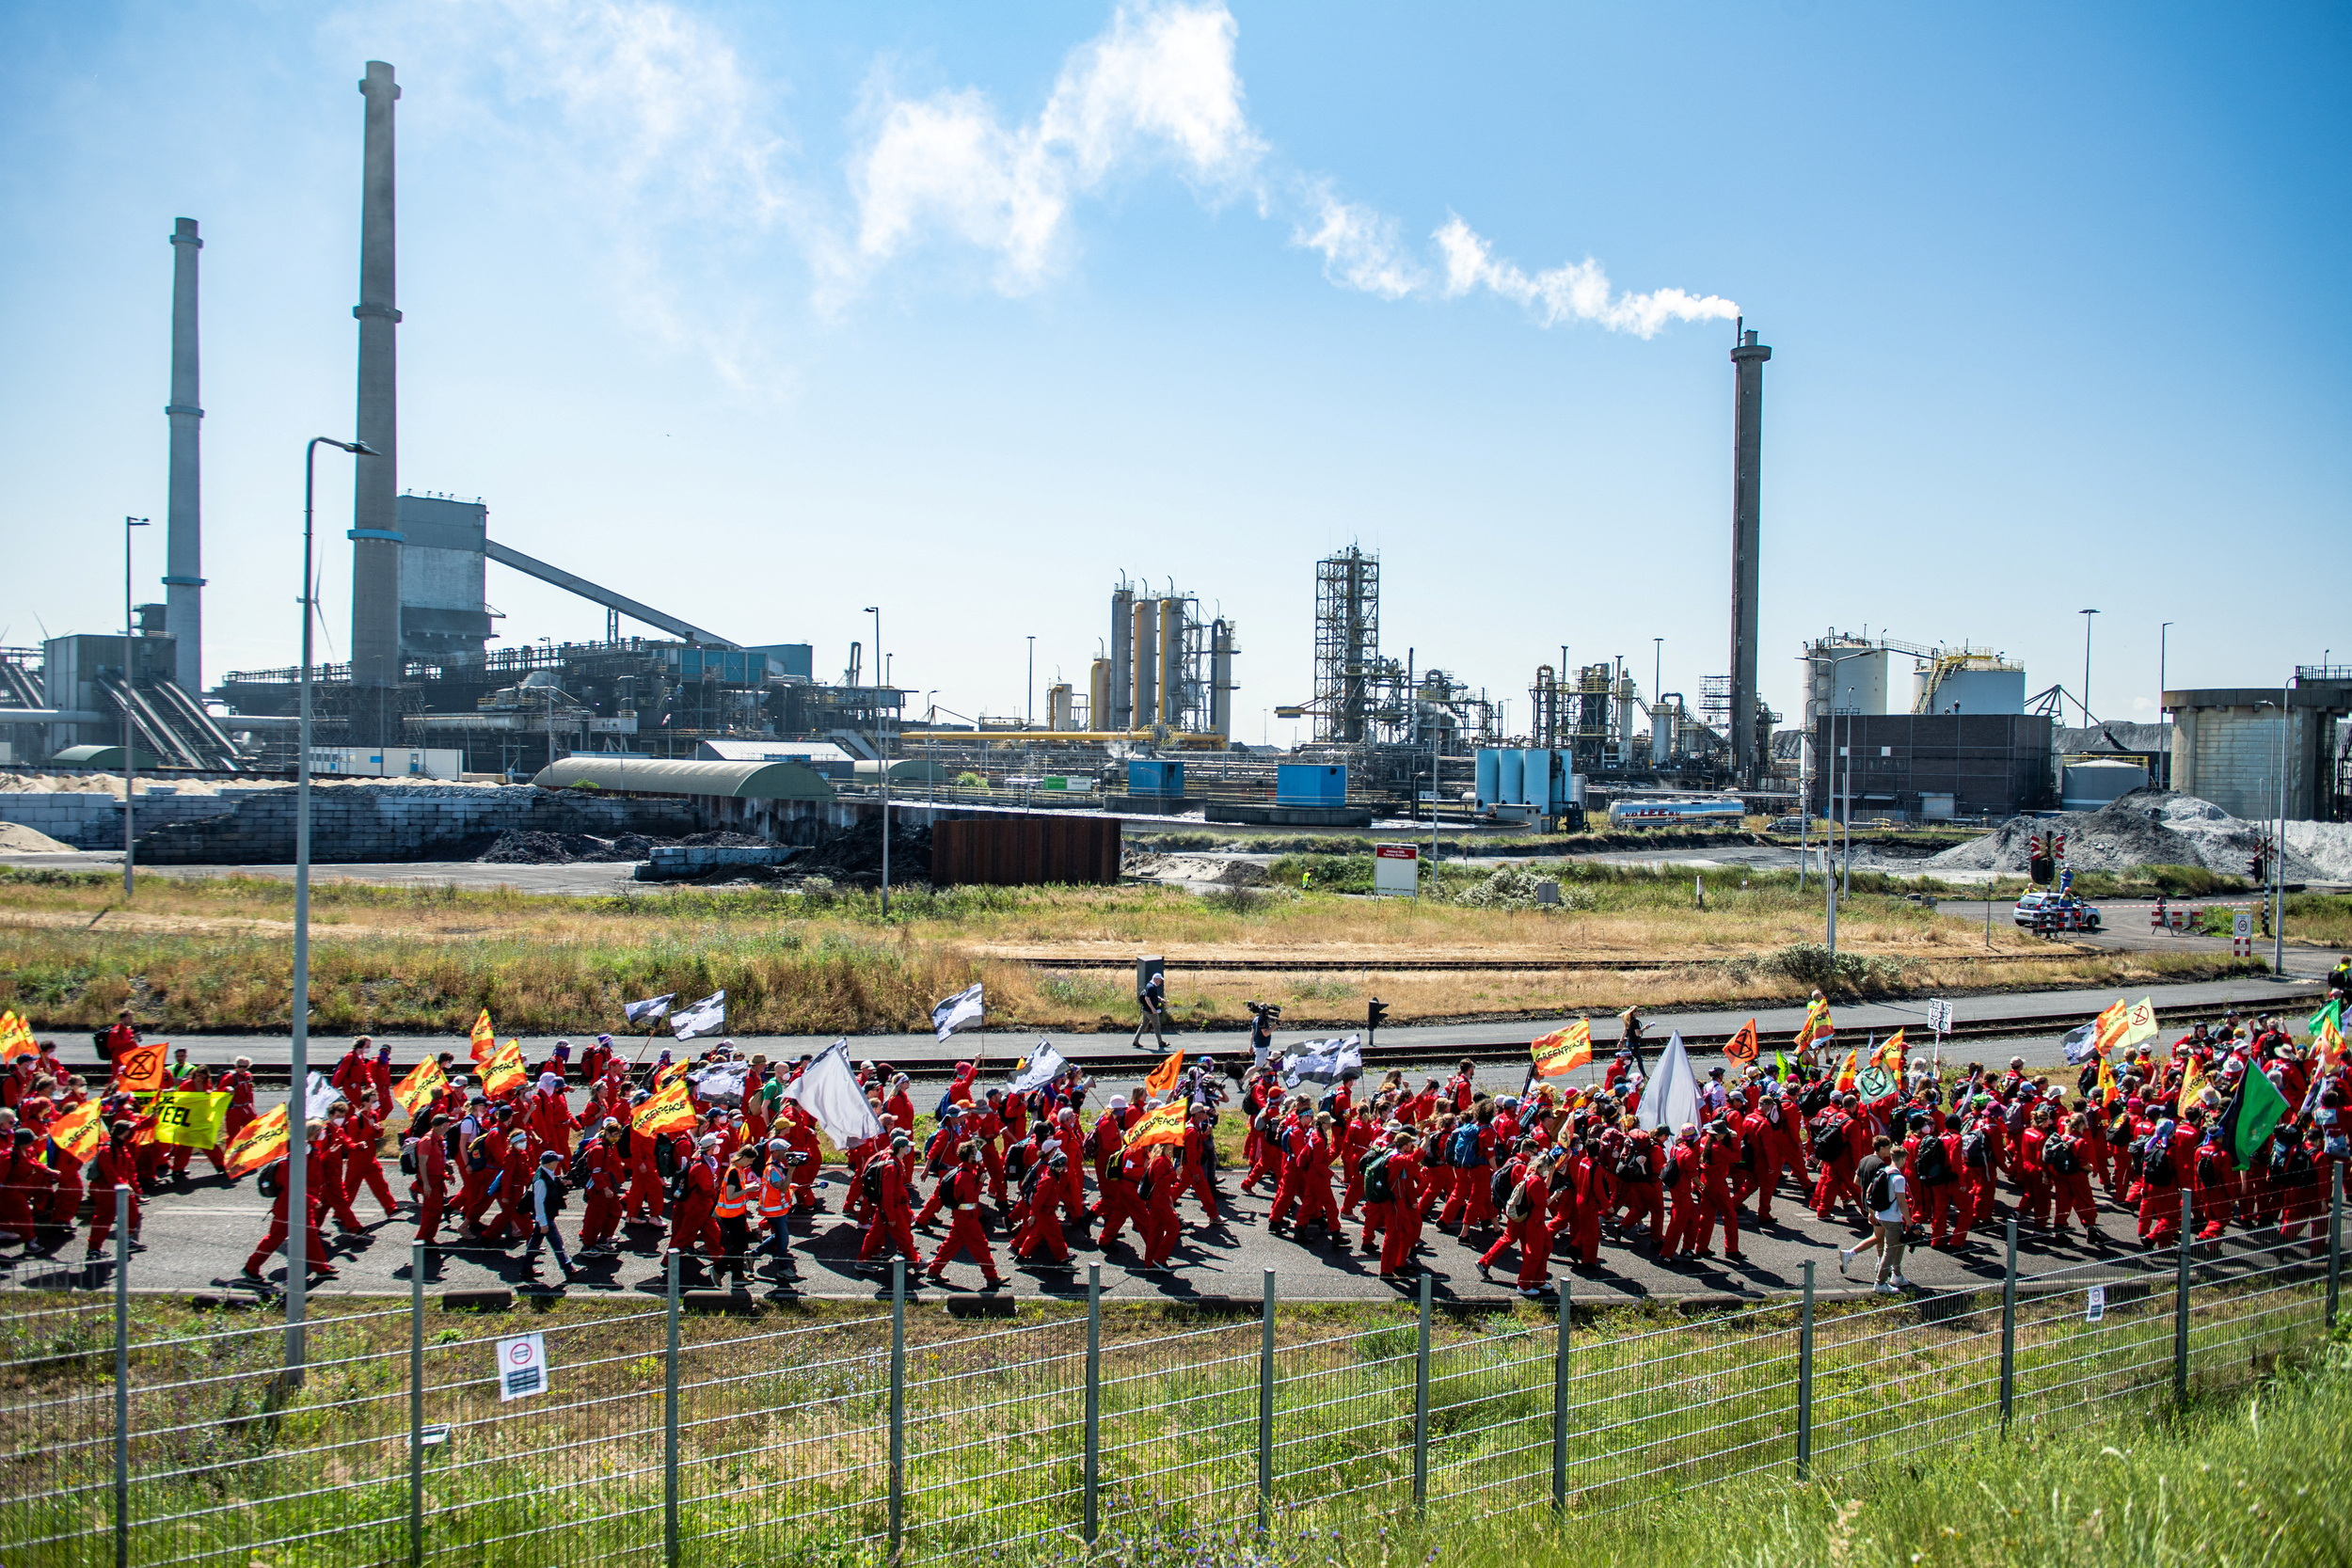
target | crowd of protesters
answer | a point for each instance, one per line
(1548, 1173)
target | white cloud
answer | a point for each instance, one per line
(1157, 87)
(1359, 245)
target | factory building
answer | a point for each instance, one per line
(2265, 752)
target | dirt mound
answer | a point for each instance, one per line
(854, 855)
(18, 839)
(2147, 827)
(516, 846)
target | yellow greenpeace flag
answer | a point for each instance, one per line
(505, 1070)
(79, 1131)
(1562, 1049)
(1163, 1124)
(667, 1109)
(486, 1039)
(257, 1143)
(418, 1088)
(191, 1120)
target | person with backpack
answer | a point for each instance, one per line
(1589, 1194)
(1681, 1176)
(1866, 1175)
(273, 1186)
(1467, 1155)
(1941, 1174)
(2065, 1155)
(966, 1236)
(1038, 1239)
(1157, 1190)
(1525, 1225)
(2033, 1176)
(890, 1211)
(1768, 1135)
(695, 1196)
(428, 1154)
(2164, 1175)
(1198, 1174)
(547, 1191)
(1889, 1216)
(1834, 1132)
(1405, 1199)
(1640, 1197)
(599, 1170)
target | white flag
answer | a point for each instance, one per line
(722, 1084)
(960, 1011)
(2080, 1044)
(828, 1090)
(652, 1007)
(1038, 1072)
(318, 1094)
(706, 1017)
(1324, 1062)
(1671, 1099)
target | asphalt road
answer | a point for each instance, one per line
(196, 1241)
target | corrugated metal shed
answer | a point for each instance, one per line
(1025, 851)
(740, 781)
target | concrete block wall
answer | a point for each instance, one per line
(403, 822)
(2229, 756)
(90, 820)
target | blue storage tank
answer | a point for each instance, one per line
(1489, 771)
(1310, 783)
(1510, 777)
(1535, 785)
(1154, 776)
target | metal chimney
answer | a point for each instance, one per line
(1747, 458)
(183, 554)
(375, 490)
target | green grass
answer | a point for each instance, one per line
(784, 1436)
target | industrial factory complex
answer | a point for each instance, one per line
(438, 688)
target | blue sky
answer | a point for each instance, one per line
(765, 313)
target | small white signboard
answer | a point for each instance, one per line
(2242, 923)
(522, 1367)
(1396, 869)
(1940, 1016)
(2098, 1307)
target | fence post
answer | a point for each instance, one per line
(2180, 1307)
(1805, 1382)
(1265, 1407)
(2335, 1235)
(1560, 1407)
(123, 1375)
(1420, 1399)
(2009, 1328)
(669, 1423)
(897, 1404)
(416, 1405)
(1094, 1397)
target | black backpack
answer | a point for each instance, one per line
(2290, 1159)
(1829, 1139)
(1935, 1161)
(869, 1179)
(1670, 1174)
(272, 1179)
(1633, 1165)
(1499, 1186)
(408, 1158)
(665, 1157)
(2156, 1168)
(1881, 1190)
(1973, 1152)
(1376, 1169)
(2059, 1154)
(580, 1162)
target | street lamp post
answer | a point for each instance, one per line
(129, 731)
(2088, 721)
(297, 1103)
(2279, 855)
(881, 748)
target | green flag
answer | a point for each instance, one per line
(2330, 1014)
(1780, 1066)
(2252, 1113)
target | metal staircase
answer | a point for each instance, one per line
(171, 726)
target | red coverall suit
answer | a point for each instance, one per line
(1159, 1175)
(1530, 1232)
(432, 1185)
(1404, 1233)
(695, 1222)
(644, 1199)
(1836, 1185)
(1938, 1201)
(600, 1205)
(1717, 1156)
(23, 1188)
(1643, 1200)
(1073, 1193)
(892, 1222)
(114, 1162)
(1119, 1205)
(2035, 1203)
(964, 1235)
(2071, 1189)
(1589, 1186)
(985, 1127)
(1197, 1178)
(362, 1166)
(2217, 1191)
(1684, 1166)
(1314, 1185)
(1040, 1236)
(1109, 1137)
(315, 1245)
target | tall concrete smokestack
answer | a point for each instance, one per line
(184, 551)
(375, 504)
(1747, 460)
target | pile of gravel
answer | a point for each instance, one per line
(516, 846)
(854, 855)
(2147, 827)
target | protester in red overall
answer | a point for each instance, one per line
(362, 1166)
(1316, 1206)
(646, 1198)
(1942, 1179)
(1198, 1174)
(2165, 1173)
(1040, 1239)
(1122, 1202)
(515, 1173)
(2217, 1187)
(1158, 1193)
(985, 1124)
(1770, 1129)
(2066, 1155)
(337, 1149)
(1589, 1191)
(1524, 1224)
(1836, 1134)
(1639, 1193)
(890, 1220)
(1109, 1137)
(431, 1149)
(799, 1131)
(605, 1174)
(314, 1245)
(1405, 1205)
(65, 1194)
(351, 1073)
(25, 1184)
(116, 1163)
(1071, 1137)
(1718, 1151)
(2033, 1176)
(694, 1224)
(1683, 1176)
(965, 1236)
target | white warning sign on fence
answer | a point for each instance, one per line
(522, 1367)
(2098, 1306)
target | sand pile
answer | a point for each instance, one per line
(2144, 827)
(16, 839)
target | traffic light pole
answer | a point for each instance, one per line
(1375, 1011)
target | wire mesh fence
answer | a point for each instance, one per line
(651, 1434)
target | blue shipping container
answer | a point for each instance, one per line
(1154, 776)
(1310, 783)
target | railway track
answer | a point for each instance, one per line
(1320, 965)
